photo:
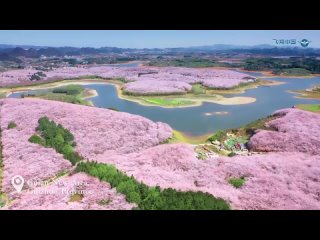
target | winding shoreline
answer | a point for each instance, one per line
(197, 101)
(303, 94)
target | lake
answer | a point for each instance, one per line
(194, 121)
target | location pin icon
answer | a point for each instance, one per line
(17, 182)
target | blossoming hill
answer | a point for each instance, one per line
(164, 175)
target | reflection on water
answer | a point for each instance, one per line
(195, 121)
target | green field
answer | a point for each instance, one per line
(71, 94)
(168, 101)
(69, 89)
(310, 107)
(63, 98)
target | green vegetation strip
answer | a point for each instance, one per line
(69, 90)
(190, 62)
(70, 93)
(293, 72)
(151, 198)
(57, 137)
(168, 102)
(289, 67)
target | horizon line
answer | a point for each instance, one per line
(194, 46)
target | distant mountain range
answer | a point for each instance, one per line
(2, 46)
(12, 52)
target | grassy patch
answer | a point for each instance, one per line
(57, 137)
(250, 128)
(76, 197)
(310, 107)
(198, 89)
(179, 137)
(11, 125)
(151, 198)
(204, 149)
(168, 102)
(75, 99)
(71, 94)
(218, 136)
(237, 182)
(69, 89)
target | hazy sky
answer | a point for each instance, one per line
(152, 38)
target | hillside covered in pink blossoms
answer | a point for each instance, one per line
(96, 131)
(295, 131)
(273, 180)
(143, 80)
(284, 179)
